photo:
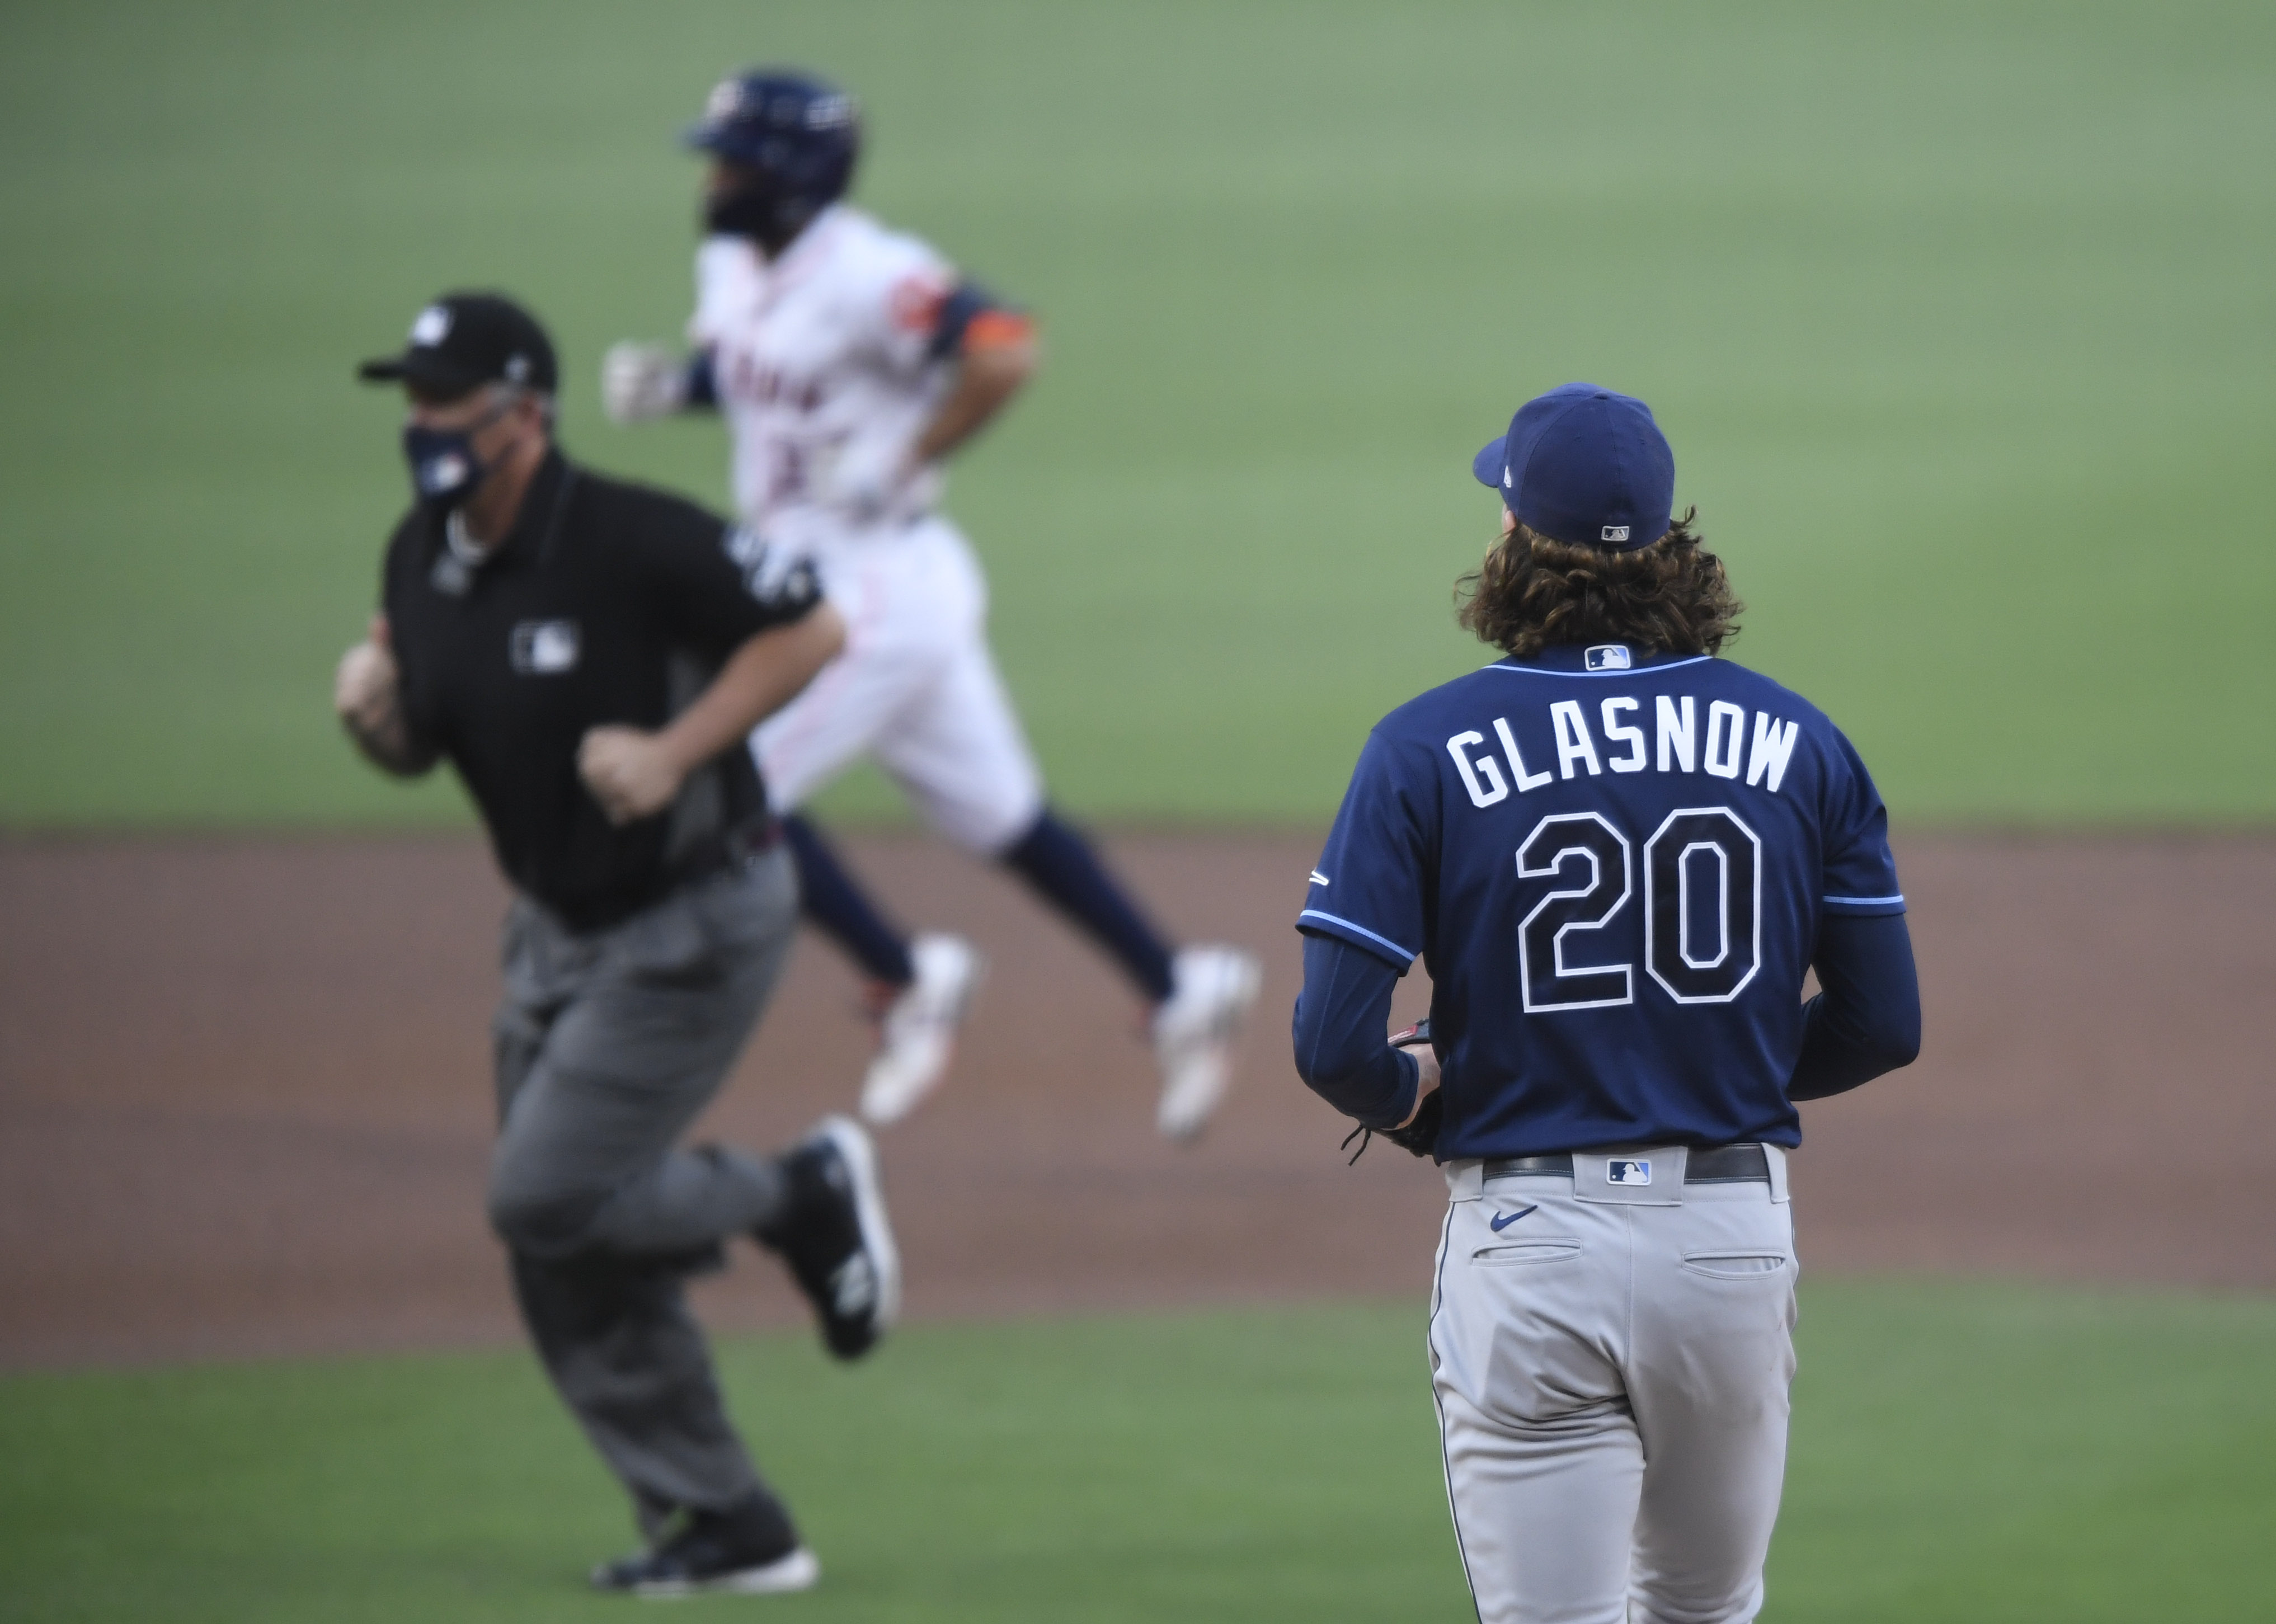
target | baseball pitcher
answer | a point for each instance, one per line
(1618, 854)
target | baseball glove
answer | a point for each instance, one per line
(1419, 1137)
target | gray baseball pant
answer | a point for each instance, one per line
(1610, 1364)
(607, 1046)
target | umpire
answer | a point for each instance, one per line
(590, 655)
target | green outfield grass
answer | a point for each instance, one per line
(1957, 315)
(1961, 1453)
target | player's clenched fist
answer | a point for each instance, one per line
(641, 380)
(631, 773)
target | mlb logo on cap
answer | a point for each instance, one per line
(1586, 466)
(462, 341)
(1627, 1172)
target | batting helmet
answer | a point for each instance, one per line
(797, 134)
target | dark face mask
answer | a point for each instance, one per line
(444, 470)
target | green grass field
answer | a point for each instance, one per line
(1957, 315)
(1961, 1453)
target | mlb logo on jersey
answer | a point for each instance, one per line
(1627, 1172)
(1607, 657)
(545, 648)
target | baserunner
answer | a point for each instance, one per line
(850, 361)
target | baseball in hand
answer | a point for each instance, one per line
(629, 772)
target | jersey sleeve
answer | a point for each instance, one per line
(899, 304)
(1861, 872)
(1369, 887)
(713, 585)
(972, 316)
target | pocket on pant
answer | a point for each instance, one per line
(1523, 1254)
(1738, 1266)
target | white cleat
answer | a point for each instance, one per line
(691, 1567)
(917, 1037)
(1212, 988)
(801, 1570)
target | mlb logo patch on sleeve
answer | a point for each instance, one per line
(1627, 1172)
(1606, 657)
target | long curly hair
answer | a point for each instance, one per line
(1531, 591)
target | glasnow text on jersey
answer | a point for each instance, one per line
(1532, 746)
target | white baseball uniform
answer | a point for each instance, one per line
(825, 368)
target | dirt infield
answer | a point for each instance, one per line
(243, 1095)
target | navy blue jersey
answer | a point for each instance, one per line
(1613, 865)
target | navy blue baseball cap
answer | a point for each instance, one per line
(1586, 466)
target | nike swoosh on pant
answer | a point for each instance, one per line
(1499, 1222)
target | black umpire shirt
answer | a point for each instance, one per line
(609, 603)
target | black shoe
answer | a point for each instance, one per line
(833, 1233)
(750, 1550)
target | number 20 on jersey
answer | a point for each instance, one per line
(1702, 908)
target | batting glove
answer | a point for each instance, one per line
(639, 381)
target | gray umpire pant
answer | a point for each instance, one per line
(607, 1046)
(1610, 1364)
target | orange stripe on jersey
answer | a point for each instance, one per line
(996, 329)
(915, 301)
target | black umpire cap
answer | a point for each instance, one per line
(462, 341)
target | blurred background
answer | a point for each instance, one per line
(1959, 320)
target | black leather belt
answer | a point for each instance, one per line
(1739, 1163)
